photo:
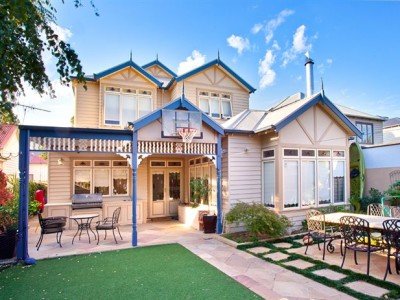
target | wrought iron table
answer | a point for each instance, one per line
(83, 222)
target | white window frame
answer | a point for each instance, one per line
(343, 159)
(267, 149)
(298, 183)
(307, 149)
(98, 169)
(268, 160)
(104, 167)
(326, 159)
(158, 161)
(138, 93)
(290, 157)
(91, 177)
(302, 161)
(220, 100)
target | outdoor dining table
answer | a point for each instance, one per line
(83, 221)
(375, 222)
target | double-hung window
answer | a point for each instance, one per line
(216, 105)
(125, 105)
(367, 130)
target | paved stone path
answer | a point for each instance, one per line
(266, 279)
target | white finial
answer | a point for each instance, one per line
(307, 54)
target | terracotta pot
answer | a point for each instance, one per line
(8, 243)
(210, 224)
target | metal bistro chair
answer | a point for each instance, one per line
(318, 231)
(392, 236)
(375, 209)
(51, 225)
(357, 237)
(109, 224)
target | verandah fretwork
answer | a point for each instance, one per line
(115, 146)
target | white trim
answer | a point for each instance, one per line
(287, 148)
(76, 160)
(74, 176)
(105, 160)
(158, 161)
(218, 98)
(267, 149)
(127, 183)
(298, 185)
(324, 157)
(310, 159)
(97, 170)
(308, 149)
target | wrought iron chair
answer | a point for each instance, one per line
(109, 223)
(51, 225)
(392, 236)
(318, 231)
(357, 237)
(375, 209)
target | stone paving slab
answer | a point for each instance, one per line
(367, 288)
(258, 250)
(283, 245)
(276, 256)
(332, 275)
(299, 264)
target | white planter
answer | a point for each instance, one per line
(190, 215)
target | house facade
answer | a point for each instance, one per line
(9, 149)
(289, 157)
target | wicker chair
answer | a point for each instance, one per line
(318, 231)
(392, 236)
(357, 237)
(51, 225)
(109, 224)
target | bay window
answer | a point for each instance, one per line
(216, 105)
(269, 183)
(126, 105)
(311, 177)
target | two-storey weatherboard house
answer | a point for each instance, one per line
(289, 157)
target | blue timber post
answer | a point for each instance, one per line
(134, 187)
(219, 184)
(22, 248)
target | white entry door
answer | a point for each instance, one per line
(166, 190)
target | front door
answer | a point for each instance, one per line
(166, 190)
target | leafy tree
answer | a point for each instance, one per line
(26, 31)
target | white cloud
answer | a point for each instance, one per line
(256, 28)
(300, 44)
(275, 46)
(196, 59)
(239, 43)
(329, 61)
(267, 74)
(273, 24)
(63, 33)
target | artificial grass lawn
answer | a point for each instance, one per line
(156, 272)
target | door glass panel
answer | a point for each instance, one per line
(174, 185)
(324, 182)
(158, 187)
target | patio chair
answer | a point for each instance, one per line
(357, 237)
(109, 223)
(392, 237)
(375, 209)
(318, 231)
(51, 225)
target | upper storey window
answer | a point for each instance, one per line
(125, 105)
(216, 105)
(367, 130)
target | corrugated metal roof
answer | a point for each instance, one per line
(351, 112)
(6, 132)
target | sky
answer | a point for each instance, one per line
(355, 46)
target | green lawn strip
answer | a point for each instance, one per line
(154, 272)
(394, 290)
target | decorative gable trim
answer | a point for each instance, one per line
(161, 65)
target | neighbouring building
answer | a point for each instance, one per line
(290, 157)
(391, 130)
(9, 149)
(38, 170)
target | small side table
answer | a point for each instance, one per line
(83, 222)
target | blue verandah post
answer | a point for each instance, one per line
(219, 184)
(134, 187)
(22, 247)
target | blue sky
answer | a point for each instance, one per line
(355, 46)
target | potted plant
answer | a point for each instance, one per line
(8, 220)
(200, 190)
(394, 194)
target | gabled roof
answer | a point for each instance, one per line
(6, 132)
(127, 64)
(279, 116)
(179, 103)
(220, 63)
(391, 122)
(161, 65)
(351, 112)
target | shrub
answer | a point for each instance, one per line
(374, 196)
(258, 219)
(394, 193)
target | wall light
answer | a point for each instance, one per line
(60, 161)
